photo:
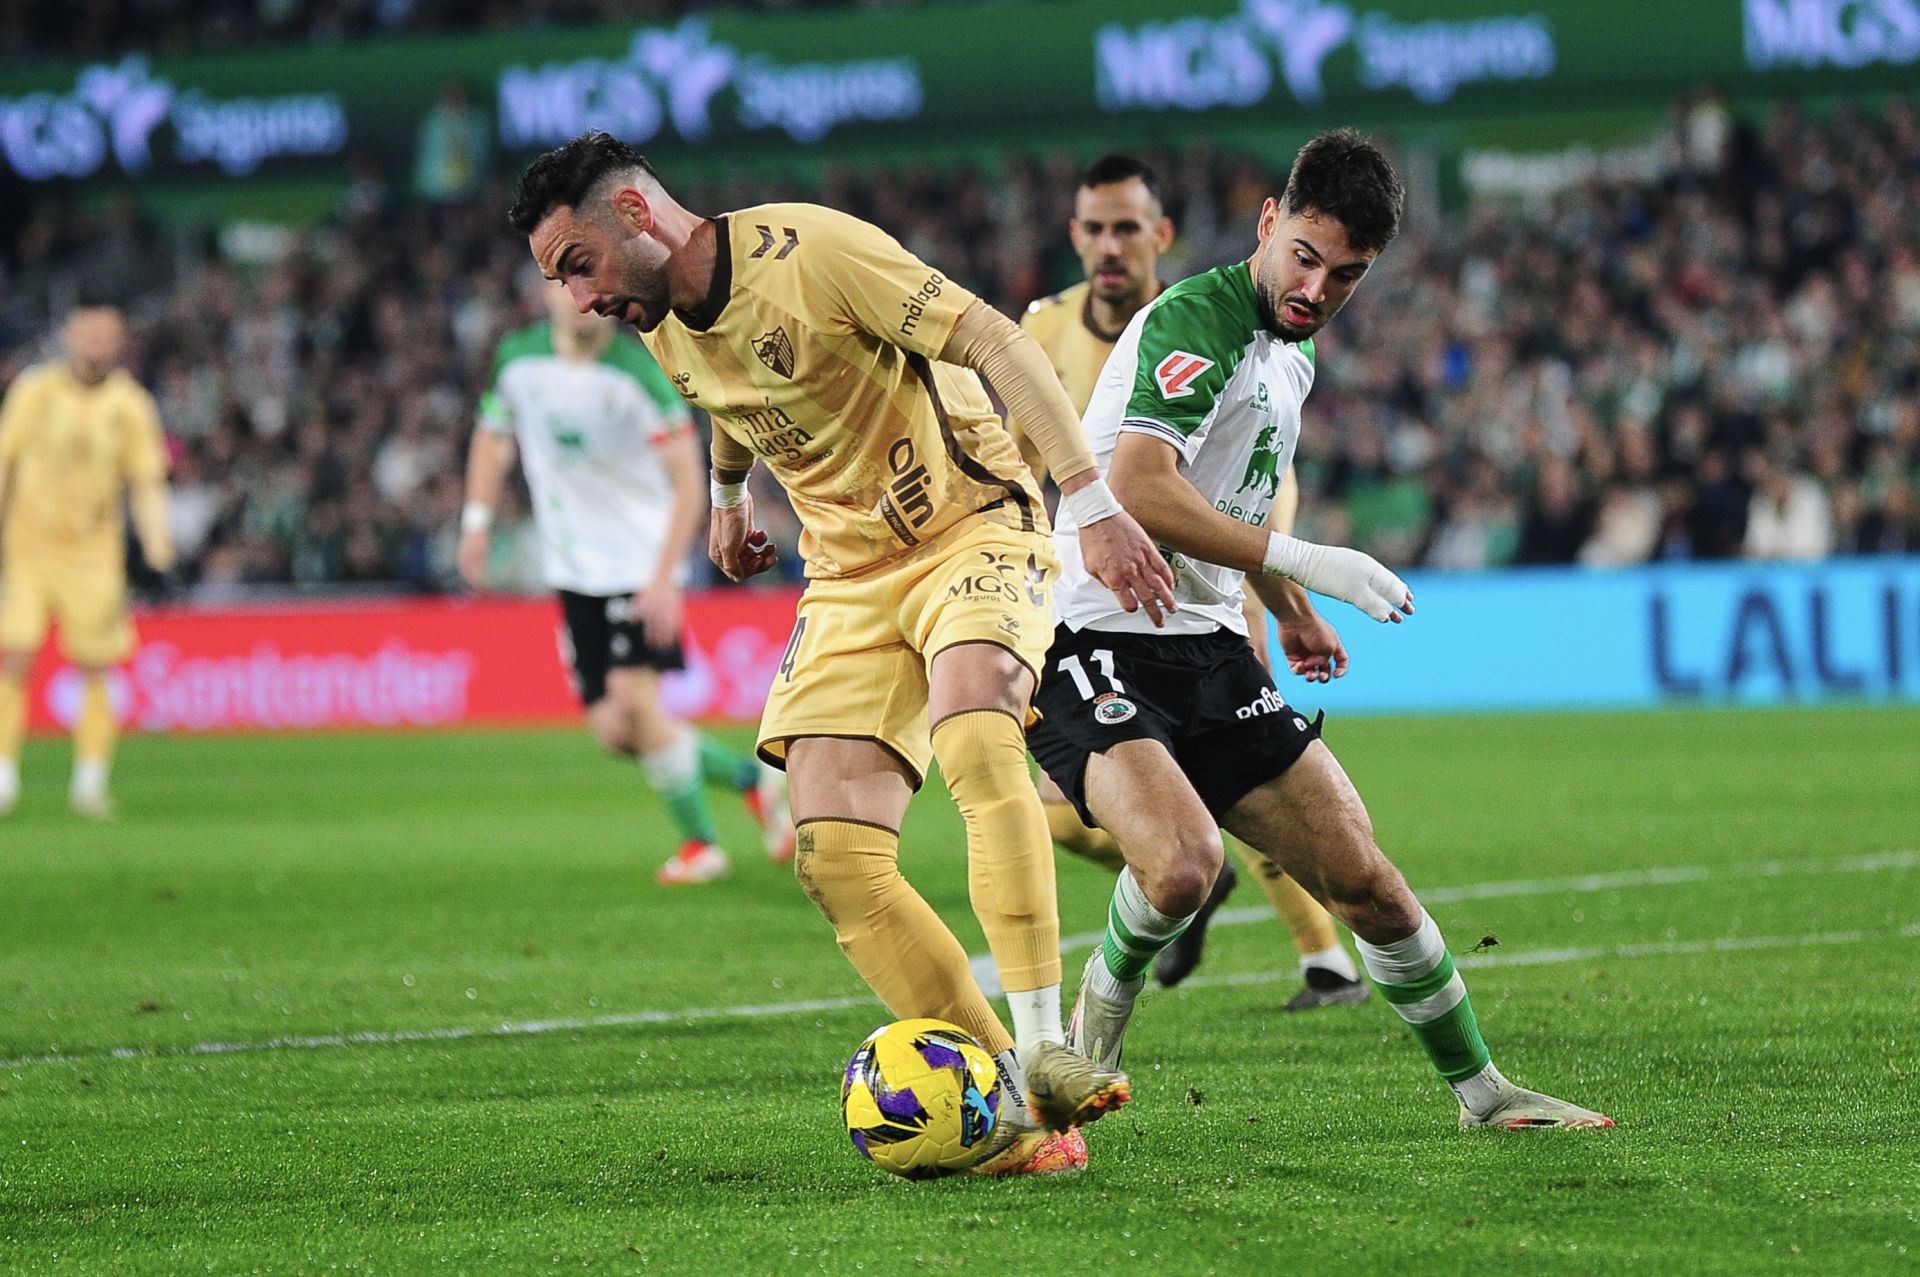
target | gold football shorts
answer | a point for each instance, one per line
(90, 604)
(856, 666)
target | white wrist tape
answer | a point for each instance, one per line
(727, 495)
(475, 517)
(1285, 555)
(1339, 573)
(1091, 503)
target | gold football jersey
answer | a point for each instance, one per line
(818, 347)
(71, 450)
(1063, 325)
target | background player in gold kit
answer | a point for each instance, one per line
(78, 438)
(1120, 230)
(821, 347)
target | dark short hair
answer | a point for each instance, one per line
(563, 176)
(1340, 174)
(1109, 169)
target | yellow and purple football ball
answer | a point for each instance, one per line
(921, 1098)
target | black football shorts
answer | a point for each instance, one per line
(1206, 697)
(599, 633)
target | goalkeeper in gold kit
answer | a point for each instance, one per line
(78, 438)
(1119, 231)
(852, 370)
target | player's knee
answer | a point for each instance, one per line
(1178, 883)
(1368, 888)
(843, 881)
(612, 731)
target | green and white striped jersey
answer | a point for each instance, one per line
(589, 433)
(1198, 369)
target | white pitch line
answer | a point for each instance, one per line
(767, 1010)
(1658, 876)
(508, 1029)
(1517, 887)
(1550, 957)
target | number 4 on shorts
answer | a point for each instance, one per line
(793, 649)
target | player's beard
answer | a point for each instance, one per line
(1273, 309)
(1286, 328)
(1128, 292)
(649, 293)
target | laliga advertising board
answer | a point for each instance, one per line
(403, 664)
(1844, 631)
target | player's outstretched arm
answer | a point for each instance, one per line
(1116, 551)
(1147, 479)
(490, 455)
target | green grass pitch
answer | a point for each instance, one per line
(1708, 925)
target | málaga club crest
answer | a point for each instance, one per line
(775, 351)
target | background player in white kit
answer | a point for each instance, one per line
(1163, 736)
(619, 494)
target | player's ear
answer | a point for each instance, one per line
(633, 209)
(1269, 218)
(1163, 234)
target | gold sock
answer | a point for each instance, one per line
(983, 755)
(94, 733)
(891, 935)
(13, 717)
(1311, 925)
(1070, 833)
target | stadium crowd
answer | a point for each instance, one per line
(1724, 361)
(109, 28)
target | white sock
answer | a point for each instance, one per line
(1399, 961)
(1334, 958)
(1036, 1016)
(1112, 987)
(1136, 932)
(675, 768)
(9, 782)
(1484, 1092)
(89, 778)
(1014, 1078)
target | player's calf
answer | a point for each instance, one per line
(1313, 824)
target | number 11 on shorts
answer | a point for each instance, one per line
(1073, 669)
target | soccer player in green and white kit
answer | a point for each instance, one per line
(1162, 736)
(618, 493)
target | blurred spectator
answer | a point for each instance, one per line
(105, 28)
(1789, 516)
(1558, 519)
(1722, 361)
(454, 149)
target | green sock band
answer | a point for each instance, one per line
(1136, 931)
(722, 766)
(691, 815)
(1451, 1038)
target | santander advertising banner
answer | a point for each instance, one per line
(412, 663)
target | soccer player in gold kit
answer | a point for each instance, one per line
(1119, 231)
(823, 349)
(78, 438)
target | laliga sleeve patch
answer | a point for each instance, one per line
(1176, 373)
